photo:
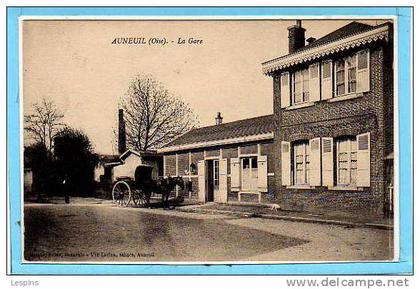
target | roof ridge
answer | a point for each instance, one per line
(341, 28)
(235, 121)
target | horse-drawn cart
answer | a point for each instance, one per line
(140, 188)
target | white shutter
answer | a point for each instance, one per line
(201, 181)
(363, 71)
(363, 160)
(327, 161)
(315, 162)
(262, 174)
(314, 84)
(222, 192)
(235, 167)
(285, 163)
(285, 89)
(326, 80)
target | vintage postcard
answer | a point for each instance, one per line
(209, 140)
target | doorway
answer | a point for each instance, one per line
(212, 179)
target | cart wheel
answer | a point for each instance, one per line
(121, 193)
(138, 197)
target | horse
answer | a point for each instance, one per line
(164, 187)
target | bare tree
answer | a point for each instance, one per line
(153, 116)
(44, 122)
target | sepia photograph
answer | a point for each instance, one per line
(209, 141)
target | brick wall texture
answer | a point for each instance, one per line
(228, 152)
(372, 112)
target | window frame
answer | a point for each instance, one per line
(304, 98)
(216, 174)
(249, 161)
(305, 162)
(351, 150)
(347, 68)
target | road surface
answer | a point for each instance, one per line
(103, 233)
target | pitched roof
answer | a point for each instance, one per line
(103, 159)
(235, 129)
(349, 36)
(343, 32)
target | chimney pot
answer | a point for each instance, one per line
(310, 40)
(219, 118)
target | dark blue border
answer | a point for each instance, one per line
(404, 29)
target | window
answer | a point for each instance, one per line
(249, 173)
(352, 73)
(327, 161)
(297, 93)
(216, 174)
(301, 163)
(340, 77)
(346, 161)
(351, 76)
(301, 86)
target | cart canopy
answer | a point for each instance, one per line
(143, 175)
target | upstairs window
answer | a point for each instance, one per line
(300, 86)
(351, 76)
(352, 73)
(340, 82)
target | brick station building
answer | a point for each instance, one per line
(226, 162)
(329, 144)
(333, 105)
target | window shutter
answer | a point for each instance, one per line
(262, 173)
(314, 85)
(285, 89)
(222, 193)
(327, 161)
(315, 162)
(326, 80)
(363, 71)
(363, 160)
(285, 163)
(201, 181)
(235, 166)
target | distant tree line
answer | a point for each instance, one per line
(58, 154)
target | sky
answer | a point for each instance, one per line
(74, 64)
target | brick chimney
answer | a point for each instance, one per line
(219, 118)
(122, 146)
(296, 36)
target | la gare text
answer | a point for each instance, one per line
(191, 41)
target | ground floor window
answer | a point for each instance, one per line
(301, 163)
(346, 161)
(327, 161)
(249, 173)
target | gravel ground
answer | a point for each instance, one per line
(325, 242)
(103, 233)
(106, 233)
